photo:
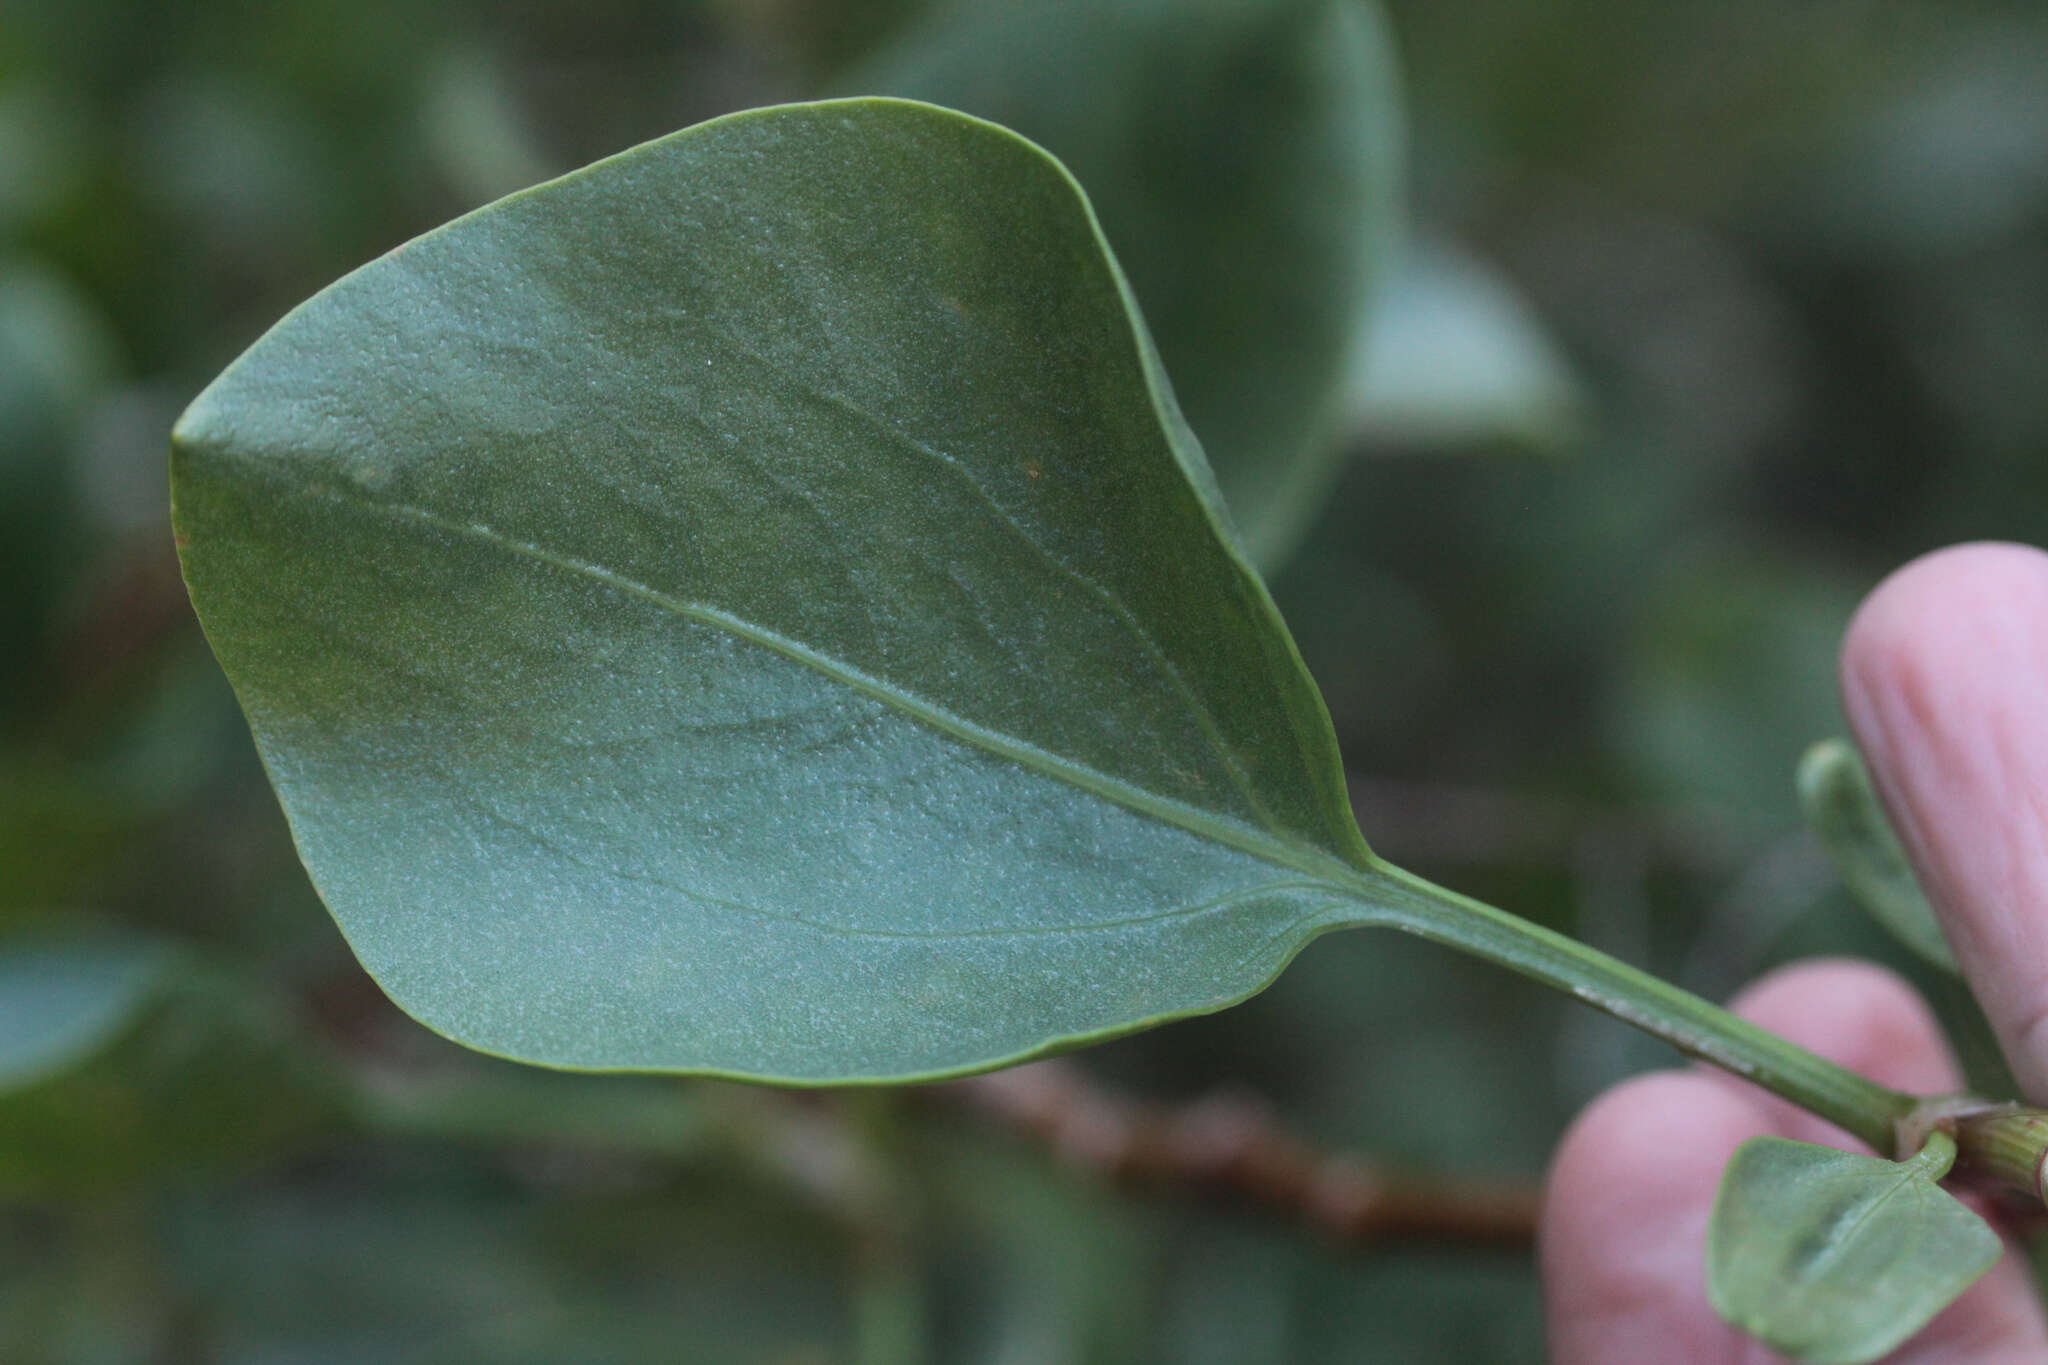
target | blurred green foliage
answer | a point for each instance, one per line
(1772, 287)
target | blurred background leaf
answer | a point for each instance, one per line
(123, 1062)
(1449, 356)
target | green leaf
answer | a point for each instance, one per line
(61, 1003)
(123, 1061)
(1453, 356)
(1842, 807)
(1837, 1257)
(1245, 157)
(752, 607)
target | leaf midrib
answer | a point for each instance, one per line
(1320, 864)
(1845, 1235)
(794, 381)
(1188, 910)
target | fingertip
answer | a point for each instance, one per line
(1910, 618)
(1927, 649)
(1929, 662)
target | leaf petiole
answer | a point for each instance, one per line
(2005, 1143)
(1401, 900)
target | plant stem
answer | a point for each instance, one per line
(2009, 1144)
(1402, 900)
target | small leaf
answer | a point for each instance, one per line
(1245, 158)
(1832, 1256)
(1843, 808)
(123, 1061)
(751, 606)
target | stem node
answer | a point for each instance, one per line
(2006, 1143)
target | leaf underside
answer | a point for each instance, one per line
(751, 606)
(1833, 1256)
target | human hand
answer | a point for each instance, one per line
(1945, 678)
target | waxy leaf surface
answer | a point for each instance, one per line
(1836, 1256)
(752, 606)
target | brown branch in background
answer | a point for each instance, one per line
(1231, 1145)
(1226, 1146)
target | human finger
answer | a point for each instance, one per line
(1945, 679)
